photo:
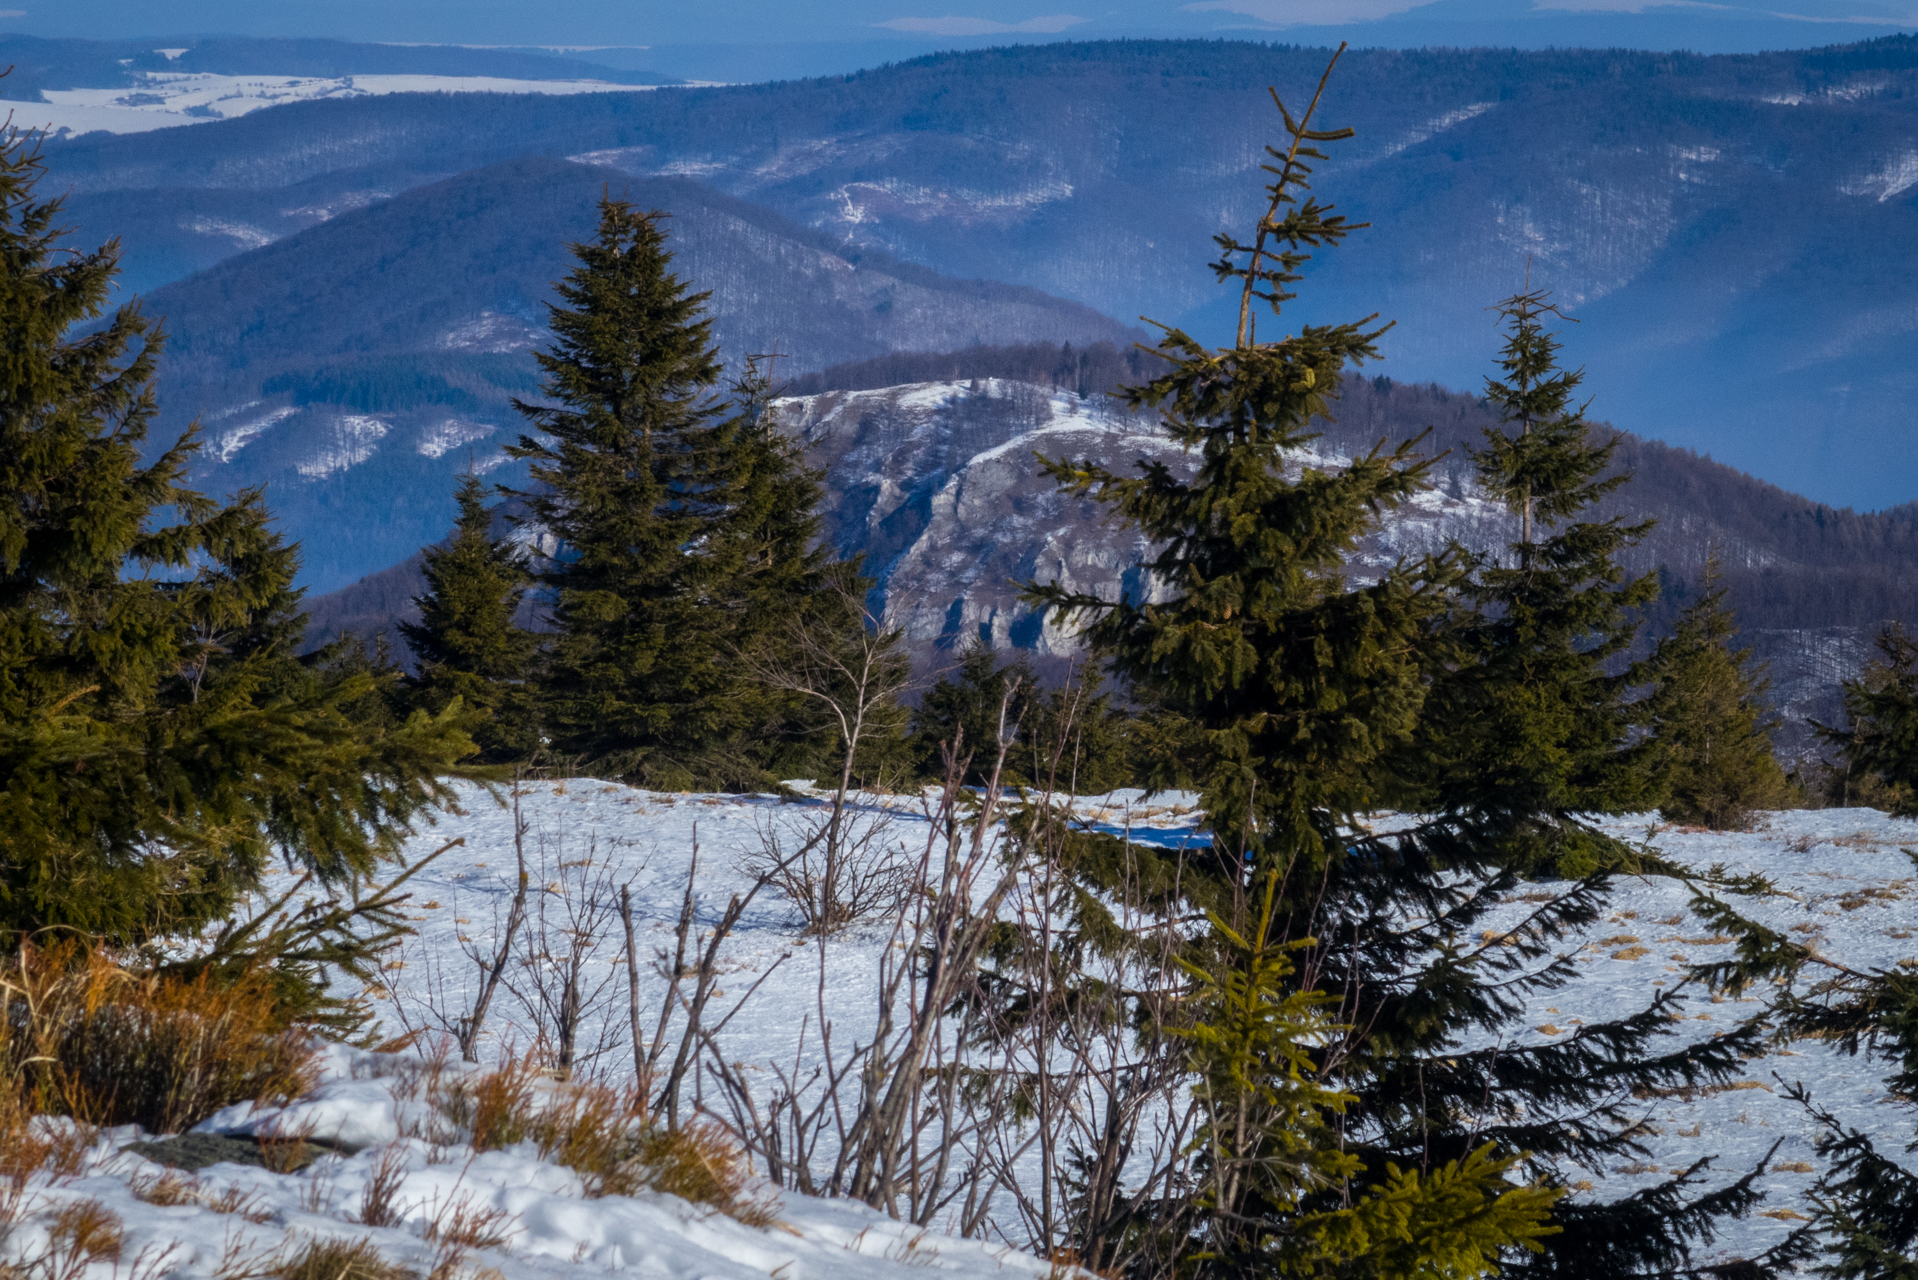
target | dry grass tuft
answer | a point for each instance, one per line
(285, 1149)
(83, 1232)
(379, 1201)
(595, 1131)
(53, 1152)
(702, 1164)
(495, 1109)
(175, 1188)
(603, 1134)
(82, 1036)
(459, 1227)
(322, 1259)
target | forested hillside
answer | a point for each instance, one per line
(361, 364)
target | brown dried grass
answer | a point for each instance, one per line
(171, 1187)
(602, 1133)
(331, 1259)
(83, 1036)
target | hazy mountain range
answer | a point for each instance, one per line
(354, 287)
(1730, 230)
(358, 365)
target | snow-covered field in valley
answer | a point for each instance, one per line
(1844, 884)
(163, 100)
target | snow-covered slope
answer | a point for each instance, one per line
(1842, 878)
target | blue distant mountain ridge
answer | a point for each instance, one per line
(1732, 231)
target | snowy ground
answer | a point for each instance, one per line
(1845, 885)
(164, 99)
(247, 1216)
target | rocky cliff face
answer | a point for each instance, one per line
(937, 485)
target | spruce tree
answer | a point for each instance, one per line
(466, 643)
(1313, 698)
(159, 743)
(1538, 722)
(770, 582)
(633, 371)
(968, 708)
(1880, 745)
(1301, 687)
(684, 520)
(1707, 717)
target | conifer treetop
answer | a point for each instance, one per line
(1549, 469)
(1259, 636)
(633, 370)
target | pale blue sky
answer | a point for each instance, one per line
(916, 24)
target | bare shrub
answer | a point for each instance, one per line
(845, 870)
(842, 872)
(435, 999)
(563, 976)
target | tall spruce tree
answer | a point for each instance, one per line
(1538, 723)
(633, 370)
(1301, 687)
(1708, 718)
(158, 741)
(1313, 698)
(684, 520)
(466, 642)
